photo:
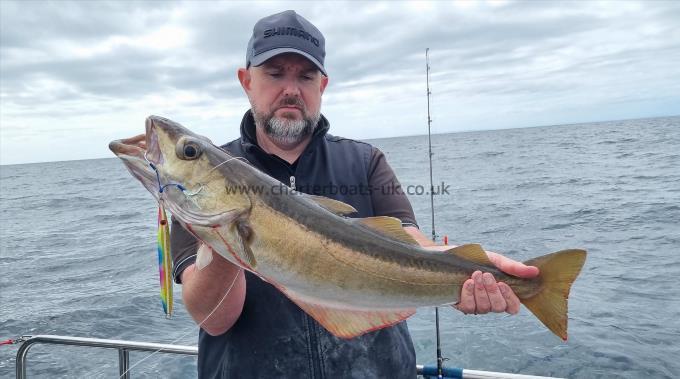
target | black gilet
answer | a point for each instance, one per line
(274, 338)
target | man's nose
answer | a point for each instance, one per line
(291, 88)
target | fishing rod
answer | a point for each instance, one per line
(440, 360)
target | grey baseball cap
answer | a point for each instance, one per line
(285, 32)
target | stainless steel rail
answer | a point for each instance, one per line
(430, 372)
(123, 347)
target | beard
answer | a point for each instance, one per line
(283, 130)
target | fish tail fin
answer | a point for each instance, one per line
(557, 273)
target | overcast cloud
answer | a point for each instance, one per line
(75, 75)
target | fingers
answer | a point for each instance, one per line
(482, 294)
(467, 297)
(136, 140)
(496, 299)
(511, 299)
(133, 145)
(512, 267)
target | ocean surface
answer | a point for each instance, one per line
(77, 252)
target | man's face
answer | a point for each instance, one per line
(285, 95)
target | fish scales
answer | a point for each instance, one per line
(351, 275)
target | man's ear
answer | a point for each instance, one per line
(324, 83)
(244, 77)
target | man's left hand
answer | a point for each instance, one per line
(482, 294)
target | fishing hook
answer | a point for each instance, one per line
(162, 187)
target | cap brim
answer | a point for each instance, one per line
(261, 58)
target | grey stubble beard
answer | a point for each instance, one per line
(285, 131)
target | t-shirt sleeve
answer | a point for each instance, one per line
(183, 248)
(386, 193)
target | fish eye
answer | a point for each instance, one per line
(188, 150)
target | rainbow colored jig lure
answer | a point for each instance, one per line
(164, 261)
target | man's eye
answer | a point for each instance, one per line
(275, 74)
(307, 77)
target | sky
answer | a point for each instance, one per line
(75, 75)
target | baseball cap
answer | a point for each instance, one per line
(285, 32)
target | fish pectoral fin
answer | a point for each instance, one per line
(390, 227)
(244, 235)
(333, 206)
(471, 252)
(349, 323)
(204, 256)
(248, 255)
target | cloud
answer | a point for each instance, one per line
(98, 68)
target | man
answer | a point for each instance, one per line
(250, 329)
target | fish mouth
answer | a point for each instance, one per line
(144, 159)
(143, 146)
(141, 154)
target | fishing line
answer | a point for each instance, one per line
(191, 329)
(213, 169)
(161, 188)
(228, 160)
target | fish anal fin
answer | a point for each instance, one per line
(334, 206)
(349, 323)
(557, 273)
(472, 252)
(390, 227)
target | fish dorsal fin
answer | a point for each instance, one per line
(390, 227)
(348, 323)
(472, 252)
(334, 206)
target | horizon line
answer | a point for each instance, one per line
(490, 129)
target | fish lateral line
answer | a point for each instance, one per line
(546, 298)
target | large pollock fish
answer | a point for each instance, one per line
(353, 275)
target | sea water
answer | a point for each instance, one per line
(77, 252)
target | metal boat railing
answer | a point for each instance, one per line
(124, 348)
